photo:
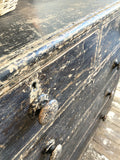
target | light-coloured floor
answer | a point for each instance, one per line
(105, 144)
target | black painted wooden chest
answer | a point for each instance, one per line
(59, 67)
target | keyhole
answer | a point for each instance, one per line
(34, 85)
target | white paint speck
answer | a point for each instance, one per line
(70, 75)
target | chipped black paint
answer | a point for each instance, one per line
(71, 66)
(110, 30)
(41, 49)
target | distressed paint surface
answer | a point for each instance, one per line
(19, 62)
(35, 125)
(70, 66)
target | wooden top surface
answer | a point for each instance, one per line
(105, 144)
(39, 20)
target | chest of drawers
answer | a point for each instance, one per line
(72, 57)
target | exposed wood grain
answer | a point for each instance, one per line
(116, 106)
(114, 117)
(73, 65)
(92, 154)
(107, 143)
(104, 152)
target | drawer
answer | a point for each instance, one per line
(74, 113)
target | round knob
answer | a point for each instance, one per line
(48, 112)
(115, 64)
(53, 150)
(56, 152)
(108, 93)
(103, 117)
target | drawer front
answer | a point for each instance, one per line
(76, 119)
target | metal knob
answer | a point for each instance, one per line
(108, 93)
(103, 117)
(115, 64)
(45, 108)
(48, 112)
(55, 151)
